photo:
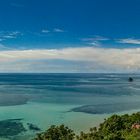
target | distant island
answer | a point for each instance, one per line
(130, 79)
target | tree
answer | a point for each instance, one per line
(56, 133)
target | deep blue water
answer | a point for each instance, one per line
(82, 89)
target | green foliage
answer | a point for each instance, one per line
(114, 128)
(56, 133)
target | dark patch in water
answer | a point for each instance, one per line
(11, 127)
(13, 99)
(107, 108)
(33, 127)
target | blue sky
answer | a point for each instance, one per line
(69, 35)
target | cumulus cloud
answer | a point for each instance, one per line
(129, 41)
(111, 58)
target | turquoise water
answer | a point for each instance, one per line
(79, 101)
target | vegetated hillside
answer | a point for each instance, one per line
(125, 127)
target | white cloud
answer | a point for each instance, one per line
(55, 30)
(58, 30)
(111, 58)
(14, 33)
(96, 38)
(95, 41)
(129, 41)
(9, 35)
(45, 31)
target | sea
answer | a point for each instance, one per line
(80, 101)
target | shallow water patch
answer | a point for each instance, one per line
(11, 127)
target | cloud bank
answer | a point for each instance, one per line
(94, 59)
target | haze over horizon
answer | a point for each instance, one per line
(69, 36)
